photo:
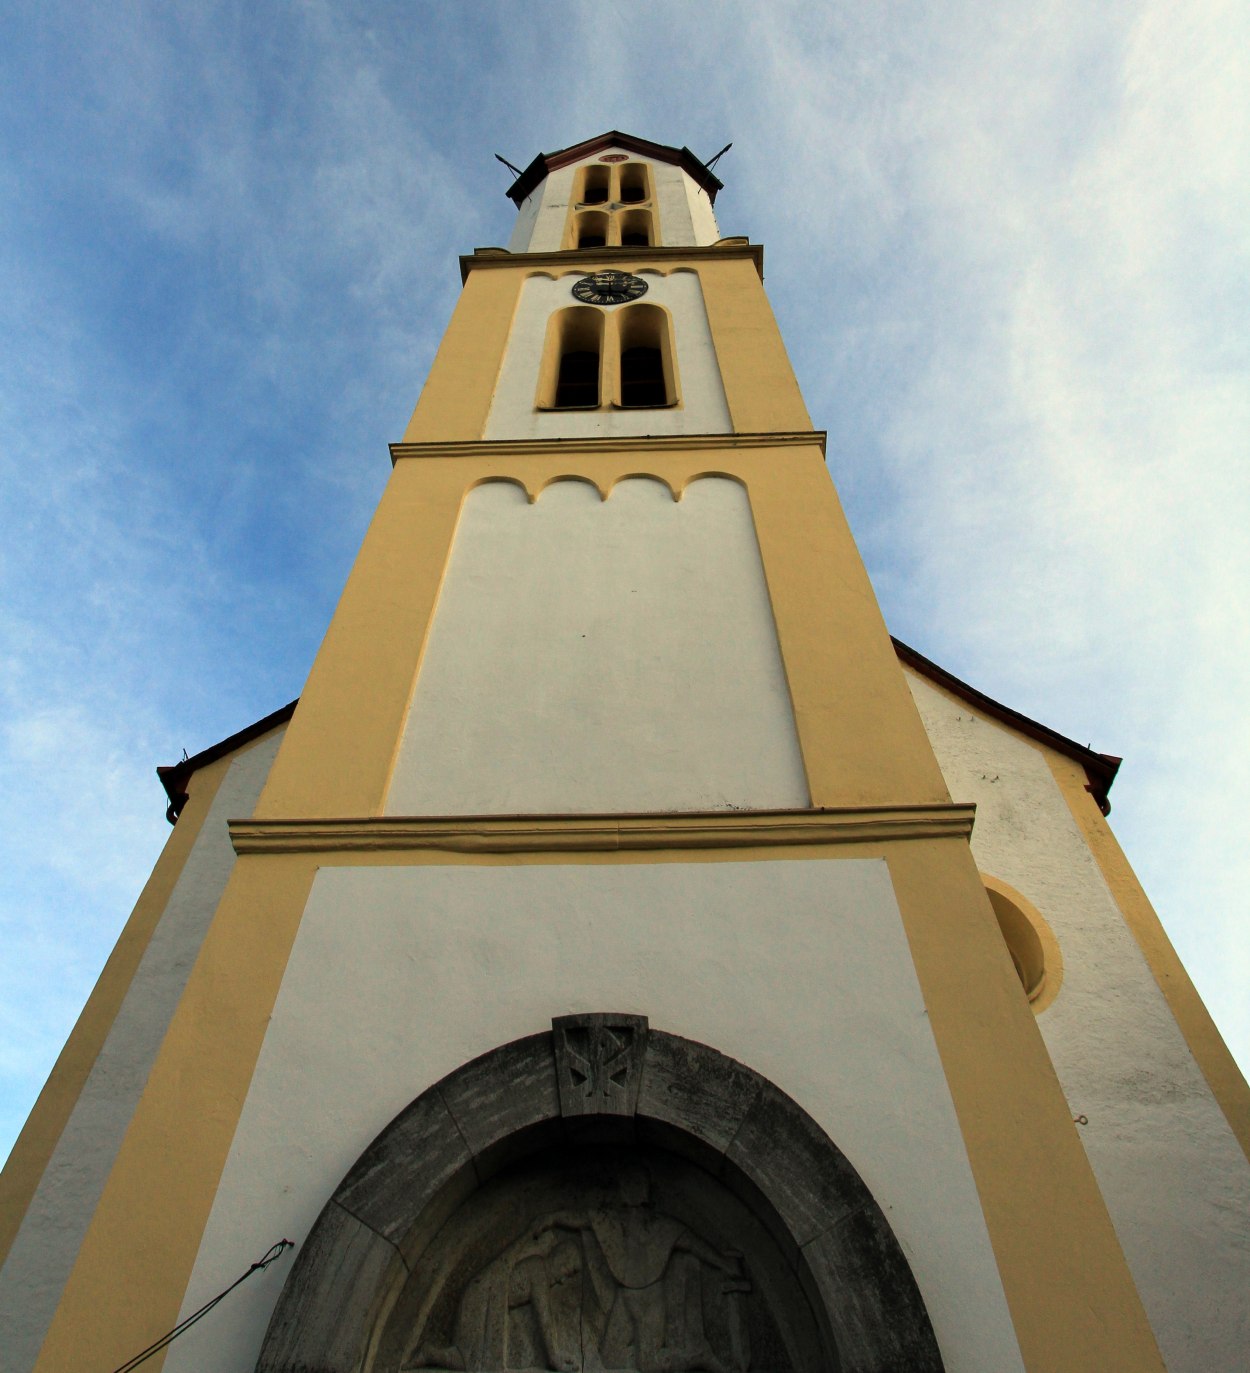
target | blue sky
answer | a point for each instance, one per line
(1008, 247)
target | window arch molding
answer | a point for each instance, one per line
(637, 359)
(512, 1103)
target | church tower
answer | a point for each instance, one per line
(625, 956)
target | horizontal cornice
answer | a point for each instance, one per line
(595, 259)
(600, 833)
(618, 443)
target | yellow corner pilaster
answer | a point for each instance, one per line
(128, 1281)
(1047, 1221)
(43, 1128)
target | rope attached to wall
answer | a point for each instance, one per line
(272, 1254)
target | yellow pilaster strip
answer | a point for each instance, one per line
(1072, 1298)
(457, 394)
(131, 1272)
(1218, 1066)
(759, 382)
(860, 734)
(57, 1100)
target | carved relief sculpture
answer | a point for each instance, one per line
(617, 1287)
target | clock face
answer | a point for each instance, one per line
(609, 288)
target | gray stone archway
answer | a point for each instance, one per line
(603, 1080)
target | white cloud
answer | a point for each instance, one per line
(1007, 248)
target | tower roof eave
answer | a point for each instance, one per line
(1100, 768)
(545, 163)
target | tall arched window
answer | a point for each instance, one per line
(646, 354)
(572, 359)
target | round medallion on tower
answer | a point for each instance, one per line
(609, 288)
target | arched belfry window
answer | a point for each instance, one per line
(627, 217)
(635, 227)
(596, 186)
(634, 186)
(646, 357)
(591, 229)
(572, 360)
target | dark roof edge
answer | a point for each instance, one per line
(1100, 768)
(546, 163)
(175, 776)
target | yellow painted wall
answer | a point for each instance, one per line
(39, 1136)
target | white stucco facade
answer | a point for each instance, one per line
(54, 1225)
(701, 407)
(684, 214)
(1174, 1178)
(800, 970)
(593, 655)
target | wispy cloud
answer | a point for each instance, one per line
(1008, 249)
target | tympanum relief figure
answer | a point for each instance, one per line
(617, 1287)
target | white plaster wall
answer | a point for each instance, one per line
(702, 215)
(47, 1243)
(801, 970)
(1174, 1179)
(526, 219)
(552, 195)
(674, 227)
(591, 655)
(683, 212)
(703, 408)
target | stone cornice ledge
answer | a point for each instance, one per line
(617, 443)
(583, 260)
(599, 833)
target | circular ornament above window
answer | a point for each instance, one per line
(609, 288)
(614, 157)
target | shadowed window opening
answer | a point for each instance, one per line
(642, 377)
(578, 383)
(633, 183)
(595, 186)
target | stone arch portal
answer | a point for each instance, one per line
(603, 1196)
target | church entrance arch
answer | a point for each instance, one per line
(602, 1197)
